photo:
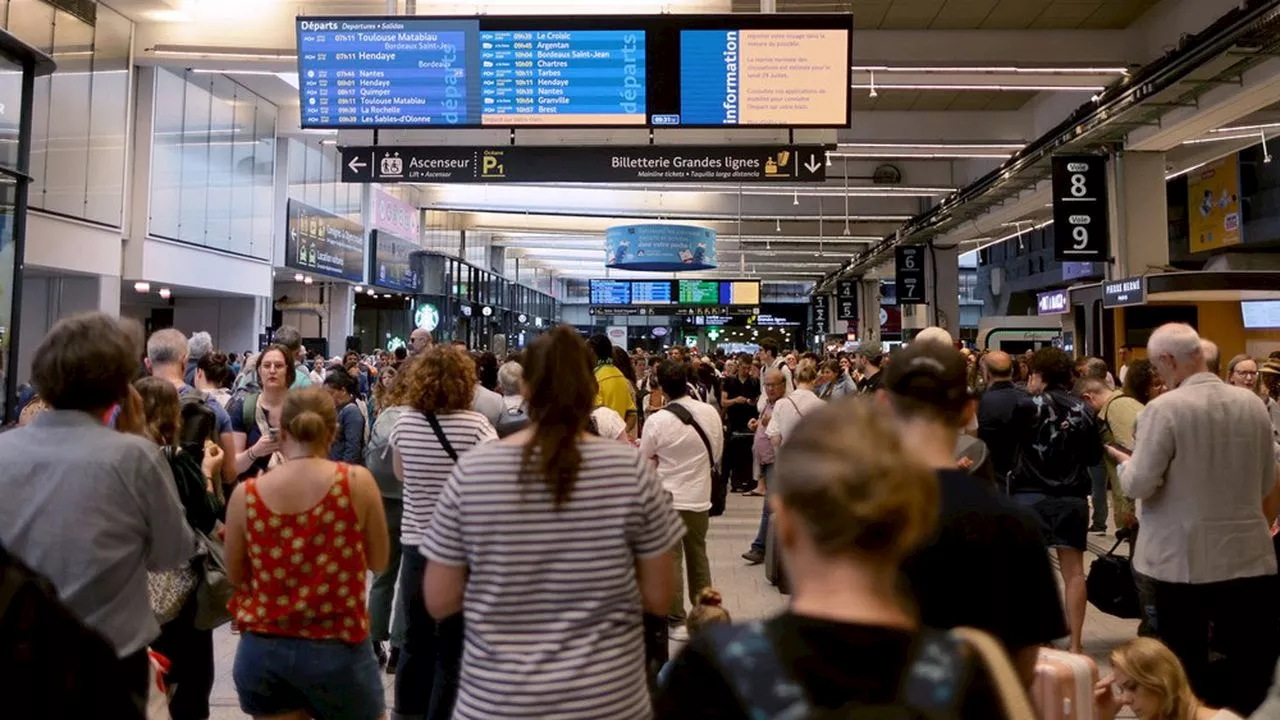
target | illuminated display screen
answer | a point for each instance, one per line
(610, 292)
(789, 70)
(740, 292)
(646, 292)
(699, 292)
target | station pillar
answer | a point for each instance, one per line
(942, 287)
(1140, 223)
(869, 310)
(341, 320)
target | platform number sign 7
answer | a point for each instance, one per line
(908, 267)
(1081, 231)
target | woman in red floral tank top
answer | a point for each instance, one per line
(300, 540)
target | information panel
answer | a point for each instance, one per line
(1080, 226)
(393, 266)
(791, 70)
(324, 243)
(699, 292)
(740, 292)
(610, 292)
(651, 292)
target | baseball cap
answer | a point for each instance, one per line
(1271, 367)
(871, 349)
(929, 373)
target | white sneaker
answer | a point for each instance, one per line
(678, 633)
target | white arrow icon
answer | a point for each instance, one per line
(813, 164)
(355, 165)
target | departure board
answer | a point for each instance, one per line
(610, 292)
(699, 292)
(651, 292)
(785, 70)
(740, 292)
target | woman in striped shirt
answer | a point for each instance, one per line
(554, 541)
(428, 437)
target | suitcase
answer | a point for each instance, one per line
(1063, 688)
(773, 570)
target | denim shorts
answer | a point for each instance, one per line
(329, 679)
(1064, 521)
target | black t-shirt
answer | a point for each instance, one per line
(739, 415)
(986, 567)
(835, 662)
(872, 383)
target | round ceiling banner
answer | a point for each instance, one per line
(660, 248)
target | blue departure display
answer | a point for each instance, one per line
(650, 292)
(560, 71)
(610, 292)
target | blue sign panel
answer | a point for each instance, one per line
(651, 292)
(660, 248)
(393, 263)
(610, 292)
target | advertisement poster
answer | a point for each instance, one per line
(395, 216)
(1213, 205)
(323, 243)
(660, 248)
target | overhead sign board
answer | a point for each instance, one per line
(1053, 302)
(660, 247)
(820, 307)
(643, 164)
(847, 300)
(1129, 291)
(393, 265)
(1081, 229)
(908, 272)
(668, 70)
(324, 243)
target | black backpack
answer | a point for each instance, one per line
(54, 666)
(199, 423)
(201, 507)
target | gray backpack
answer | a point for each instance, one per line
(379, 458)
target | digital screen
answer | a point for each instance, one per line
(610, 292)
(1260, 314)
(788, 70)
(393, 263)
(764, 77)
(740, 292)
(699, 292)
(648, 292)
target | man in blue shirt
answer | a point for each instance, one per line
(167, 359)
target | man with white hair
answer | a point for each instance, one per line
(199, 345)
(934, 334)
(1202, 465)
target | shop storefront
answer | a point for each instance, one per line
(20, 64)
(481, 308)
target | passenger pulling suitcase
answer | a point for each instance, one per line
(773, 570)
(1063, 689)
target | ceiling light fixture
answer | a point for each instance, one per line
(1266, 156)
(978, 87)
(142, 287)
(777, 226)
(1245, 128)
(925, 156)
(1011, 236)
(221, 52)
(988, 69)
(873, 94)
(795, 198)
(934, 146)
(166, 293)
(846, 198)
(308, 280)
(297, 277)
(359, 288)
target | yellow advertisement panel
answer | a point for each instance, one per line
(1213, 204)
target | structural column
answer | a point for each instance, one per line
(341, 320)
(869, 310)
(1140, 224)
(942, 287)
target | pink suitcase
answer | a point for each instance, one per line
(1063, 688)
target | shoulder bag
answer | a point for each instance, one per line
(719, 489)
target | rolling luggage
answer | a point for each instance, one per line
(1063, 689)
(773, 570)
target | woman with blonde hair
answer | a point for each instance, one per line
(1148, 679)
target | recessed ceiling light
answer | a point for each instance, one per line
(297, 277)
(142, 287)
(166, 293)
(307, 280)
(359, 288)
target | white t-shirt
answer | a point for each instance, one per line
(682, 462)
(788, 411)
(609, 424)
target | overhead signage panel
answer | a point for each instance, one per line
(820, 311)
(324, 243)
(560, 71)
(393, 265)
(908, 269)
(847, 300)
(1120, 293)
(610, 292)
(1081, 229)
(1053, 302)
(645, 164)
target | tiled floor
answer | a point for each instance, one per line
(746, 594)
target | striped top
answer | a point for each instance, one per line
(554, 614)
(427, 465)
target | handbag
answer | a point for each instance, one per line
(168, 591)
(214, 590)
(1110, 586)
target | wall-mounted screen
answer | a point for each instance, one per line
(651, 292)
(393, 265)
(610, 292)
(788, 70)
(740, 292)
(323, 243)
(699, 292)
(1260, 314)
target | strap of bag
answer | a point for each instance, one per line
(687, 418)
(439, 431)
(1008, 687)
(794, 405)
(249, 410)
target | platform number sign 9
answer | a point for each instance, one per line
(1081, 231)
(908, 271)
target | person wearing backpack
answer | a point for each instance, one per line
(385, 625)
(1058, 441)
(849, 504)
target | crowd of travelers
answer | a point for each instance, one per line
(522, 537)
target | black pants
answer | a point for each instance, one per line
(191, 674)
(1238, 619)
(431, 657)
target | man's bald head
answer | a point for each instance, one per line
(998, 365)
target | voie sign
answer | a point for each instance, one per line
(1119, 293)
(1054, 302)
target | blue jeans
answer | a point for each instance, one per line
(758, 544)
(383, 623)
(329, 679)
(431, 657)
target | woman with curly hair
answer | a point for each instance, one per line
(437, 426)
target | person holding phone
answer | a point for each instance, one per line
(255, 416)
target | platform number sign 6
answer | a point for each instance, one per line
(1080, 228)
(908, 267)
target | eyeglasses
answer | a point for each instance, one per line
(1246, 373)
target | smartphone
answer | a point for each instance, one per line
(274, 433)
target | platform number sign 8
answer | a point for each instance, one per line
(908, 267)
(1080, 228)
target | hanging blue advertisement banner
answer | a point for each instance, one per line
(660, 248)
